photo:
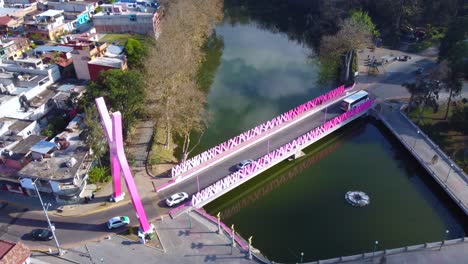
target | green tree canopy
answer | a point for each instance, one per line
(136, 53)
(123, 91)
(361, 17)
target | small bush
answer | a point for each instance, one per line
(99, 175)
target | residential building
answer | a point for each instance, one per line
(67, 92)
(10, 25)
(101, 64)
(46, 25)
(118, 18)
(60, 55)
(59, 166)
(14, 253)
(13, 48)
(23, 88)
(87, 59)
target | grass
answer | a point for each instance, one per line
(423, 45)
(159, 153)
(122, 38)
(452, 142)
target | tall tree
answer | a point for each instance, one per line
(123, 91)
(94, 133)
(354, 34)
(136, 53)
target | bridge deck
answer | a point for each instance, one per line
(446, 173)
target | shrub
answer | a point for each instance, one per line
(99, 175)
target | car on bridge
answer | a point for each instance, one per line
(118, 221)
(176, 199)
(41, 234)
(244, 164)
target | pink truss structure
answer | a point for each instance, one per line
(113, 129)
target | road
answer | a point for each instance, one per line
(16, 223)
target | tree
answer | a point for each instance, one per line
(94, 133)
(361, 17)
(136, 53)
(174, 60)
(123, 91)
(353, 34)
(191, 117)
(425, 92)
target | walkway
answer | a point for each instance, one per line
(185, 240)
(452, 179)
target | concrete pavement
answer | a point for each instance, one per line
(185, 240)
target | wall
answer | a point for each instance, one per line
(95, 70)
(80, 62)
(144, 24)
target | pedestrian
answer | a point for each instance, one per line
(368, 56)
(92, 196)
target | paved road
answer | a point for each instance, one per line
(15, 224)
(214, 173)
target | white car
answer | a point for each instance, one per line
(244, 164)
(118, 221)
(176, 199)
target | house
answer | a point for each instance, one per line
(45, 25)
(60, 55)
(119, 18)
(59, 166)
(14, 253)
(78, 12)
(101, 64)
(90, 58)
(67, 92)
(23, 88)
(13, 48)
(10, 25)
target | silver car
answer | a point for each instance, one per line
(244, 164)
(176, 198)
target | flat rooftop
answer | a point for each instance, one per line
(15, 124)
(109, 62)
(55, 168)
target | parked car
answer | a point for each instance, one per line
(176, 198)
(118, 221)
(41, 234)
(244, 164)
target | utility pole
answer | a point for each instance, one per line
(51, 227)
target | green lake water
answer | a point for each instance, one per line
(299, 206)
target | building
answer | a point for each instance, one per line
(67, 94)
(10, 25)
(14, 253)
(60, 55)
(59, 166)
(118, 18)
(79, 12)
(101, 64)
(23, 88)
(13, 48)
(89, 59)
(45, 25)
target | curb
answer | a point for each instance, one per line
(99, 209)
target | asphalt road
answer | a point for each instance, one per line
(15, 224)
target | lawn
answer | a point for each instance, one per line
(454, 143)
(121, 38)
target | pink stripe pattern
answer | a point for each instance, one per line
(262, 128)
(278, 154)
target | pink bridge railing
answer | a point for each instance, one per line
(280, 153)
(262, 128)
(226, 229)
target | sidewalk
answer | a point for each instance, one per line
(185, 240)
(451, 178)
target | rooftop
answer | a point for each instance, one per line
(8, 11)
(47, 48)
(51, 13)
(43, 147)
(65, 162)
(15, 124)
(24, 146)
(109, 62)
(11, 253)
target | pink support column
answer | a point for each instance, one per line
(113, 128)
(137, 205)
(117, 194)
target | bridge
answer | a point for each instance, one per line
(212, 173)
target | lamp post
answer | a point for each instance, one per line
(250, 247)
(450, 169)
(218, 216)
(443, 241)
(51, 227)
(302, 257)
(416, 138)
(375, 248)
